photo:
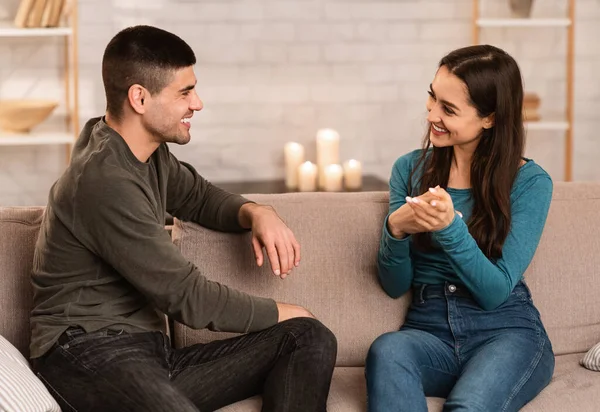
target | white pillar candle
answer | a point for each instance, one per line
(328, 151)
(352, 175)
(294, 156)
(333, 178)
(307, 177)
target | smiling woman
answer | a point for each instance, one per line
(466, 268)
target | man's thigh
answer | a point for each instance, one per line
(223, 372)
(118, 373)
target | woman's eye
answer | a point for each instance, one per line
(448, 110)
(430, 93)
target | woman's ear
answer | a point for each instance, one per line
(489, 121)
(136, 96)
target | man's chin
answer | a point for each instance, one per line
(180, 140)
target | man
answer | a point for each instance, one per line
(105, 269)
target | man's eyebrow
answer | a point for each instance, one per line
(188, 88)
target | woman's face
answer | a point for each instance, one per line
(453, 120)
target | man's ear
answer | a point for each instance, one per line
(489, 121)
(137, 95)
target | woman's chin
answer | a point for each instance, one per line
(439, 141)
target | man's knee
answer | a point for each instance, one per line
(311, 332)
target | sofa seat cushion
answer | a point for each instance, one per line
(347, 393)
(573, 388)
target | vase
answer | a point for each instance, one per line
(521, 8)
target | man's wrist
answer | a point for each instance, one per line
(245, 214)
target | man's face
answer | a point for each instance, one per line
(169, 112)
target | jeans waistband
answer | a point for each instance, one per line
(70, 333)
(424, 292)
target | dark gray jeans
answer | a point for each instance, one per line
(290, 364)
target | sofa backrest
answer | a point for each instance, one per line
(339, 234)
(337, 278)
(564, 275)
(19, 228)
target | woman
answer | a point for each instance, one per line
(466, 215)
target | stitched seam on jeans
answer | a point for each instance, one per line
(39, 375)
(449, 317)
(526, 376)
(286, 389)
(534, 319)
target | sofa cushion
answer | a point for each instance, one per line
(336, 279)
(573, 388)
(19, 228)
(20, 389)
(347, 394)
(564, 275)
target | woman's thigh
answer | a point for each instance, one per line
(503, 374)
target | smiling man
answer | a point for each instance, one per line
(105, 269)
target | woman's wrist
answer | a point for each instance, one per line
(394, 229)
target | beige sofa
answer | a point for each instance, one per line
(337, 281)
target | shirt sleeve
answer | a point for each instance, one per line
(394, 262)
(115, 220)
(492, 281)
(190, 197)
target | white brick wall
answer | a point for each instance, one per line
(270, 71)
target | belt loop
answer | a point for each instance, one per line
(422, 293)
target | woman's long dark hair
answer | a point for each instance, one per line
(494, 85)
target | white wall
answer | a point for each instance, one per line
(271, 71)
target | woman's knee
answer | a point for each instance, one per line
(388, 349)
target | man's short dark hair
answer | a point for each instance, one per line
(141, 55)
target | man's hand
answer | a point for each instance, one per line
(434, 214)
(269, 231)
(287, 311)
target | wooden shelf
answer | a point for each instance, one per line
(7, 29)
(565, 124)
(547, 125)
(516, 22)
(35, 139)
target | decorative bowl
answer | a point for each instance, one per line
(21, 115)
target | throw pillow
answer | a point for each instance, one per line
(20, 389)
(591, 360)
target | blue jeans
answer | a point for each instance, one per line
(451, 348)
(290, 364)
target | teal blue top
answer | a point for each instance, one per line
(457, 258)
